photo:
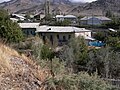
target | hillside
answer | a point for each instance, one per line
(98, 7)
(34, 6)
(18, 72)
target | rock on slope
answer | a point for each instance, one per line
(18, 72)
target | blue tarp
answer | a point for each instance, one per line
(96, 43)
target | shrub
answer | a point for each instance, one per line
(9, 30)
(81, 81)
(75, 54)
(46, 52)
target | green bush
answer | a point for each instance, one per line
(75, 54)
(9, 30)
(46, 52)
(81, 81)
(62, 23)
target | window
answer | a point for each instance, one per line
(51, 39)
(44, 39)
(64, 38)
(69, 36)
(32, 33)
(57, 36)
(27, 32)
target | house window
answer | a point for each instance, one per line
(51, 39)
(57, 36)
(64, 38)
(32, 33)
(27, 32)
(69, 36)
(44, 39)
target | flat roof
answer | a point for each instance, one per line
(59, 16)
(20, 16)
(66, 16)
(62, 29)
(70, 16)
(29, 25)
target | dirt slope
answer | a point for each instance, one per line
(18, 72)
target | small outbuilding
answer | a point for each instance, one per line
(71, 18)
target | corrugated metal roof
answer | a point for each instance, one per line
(98, 17)
(60, 29)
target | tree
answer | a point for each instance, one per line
(109, 14)
(9, 30)
(46, 52)
(100, 36)
(81, 81)
(75, 54)
(115, 23)
(105, 61)
(62, 23)
(79, 50)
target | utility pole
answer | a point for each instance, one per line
(47, 9)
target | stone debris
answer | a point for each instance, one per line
(21, 76)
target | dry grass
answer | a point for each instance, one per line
(18, 71)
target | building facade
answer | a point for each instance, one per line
(71, 18)
(94, 20)
(29, 28)
(58, 36)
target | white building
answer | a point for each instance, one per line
(71, 18)
(94, 20)
(29, 28)
(59, 17)
(17, 17)
(38, 16)
(58, 36)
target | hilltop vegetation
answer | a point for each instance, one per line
(19, 72)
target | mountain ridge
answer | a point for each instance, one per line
(99, 7)
(21, 6)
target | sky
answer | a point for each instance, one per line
(71, 0)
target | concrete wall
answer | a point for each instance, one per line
(59, 39)
(83, 34)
